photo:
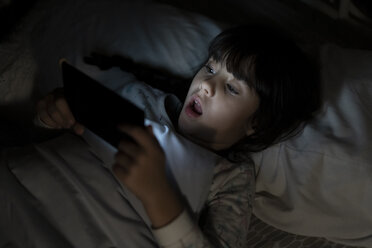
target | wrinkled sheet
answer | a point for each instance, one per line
(62, 193)
(319, 182)
(59, 193)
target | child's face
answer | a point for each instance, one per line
(217, 110)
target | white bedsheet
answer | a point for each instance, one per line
(58, 195)
(66, 196)
(63, 192)
(319, 183)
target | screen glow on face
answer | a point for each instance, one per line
(218, 107)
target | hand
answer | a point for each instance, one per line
(140, 163)
(54, 111)
(140, 166)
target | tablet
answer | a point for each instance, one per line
(96, 107)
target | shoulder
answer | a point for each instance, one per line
(226, 216)
(237, 178)
(226, 172)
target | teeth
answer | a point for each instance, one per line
(197, 107)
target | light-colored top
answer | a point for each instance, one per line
(224, 220)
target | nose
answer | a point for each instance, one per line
(207, 88)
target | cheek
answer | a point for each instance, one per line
(228, 119)
(232, 117)
(228, 110)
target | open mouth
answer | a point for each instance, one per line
(194, 108)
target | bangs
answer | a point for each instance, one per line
(238, 59)
(285, 81)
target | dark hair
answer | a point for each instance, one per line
(284, 78)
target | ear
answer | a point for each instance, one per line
(249, 128)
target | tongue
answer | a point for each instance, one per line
(197, 108)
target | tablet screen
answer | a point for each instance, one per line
(96, 107)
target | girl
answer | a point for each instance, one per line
(255, 89)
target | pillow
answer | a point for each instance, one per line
(148, 32)
(318, 183)
(155, 34)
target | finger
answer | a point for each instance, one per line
(78, 128)
(55, 115)
(141, 135)
(150, 130)
(120, 172)
(128, 147)
(53, 111)
(60, 103)
(44, 116)
(123, 160)
(64, 109)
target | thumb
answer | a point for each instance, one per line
(150, 130)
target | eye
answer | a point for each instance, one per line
(209, 69)
(232, 89)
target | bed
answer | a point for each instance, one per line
(173, 35)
